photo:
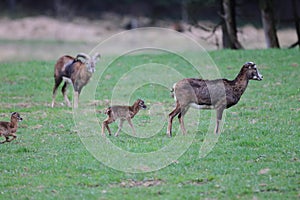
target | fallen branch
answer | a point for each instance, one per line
(294, 45)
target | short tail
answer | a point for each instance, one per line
(172, 90)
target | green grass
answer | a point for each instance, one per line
(257, 155)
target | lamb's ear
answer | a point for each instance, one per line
(250, 65)
(13, 113)
(253, 66)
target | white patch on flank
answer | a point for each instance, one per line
(68, 80)
(66, 64)
(197, 106)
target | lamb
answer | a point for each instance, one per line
(217, 94)
(73, 70)
(8, 129)
(123, 113)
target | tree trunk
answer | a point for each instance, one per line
(225, 37)
(268, 21)
(11, 4)
(297, 22)
(230, 39)
(184, 11)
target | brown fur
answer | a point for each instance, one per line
(123, 113)
(8, 129)
(210, 94)
(76, 71)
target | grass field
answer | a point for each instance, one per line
(257, 155)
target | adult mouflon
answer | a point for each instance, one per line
(218, 94)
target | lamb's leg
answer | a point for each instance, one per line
(131, 125)
(14, 137)
(181, 121)
(105, 125)
(171, 116)
(64, 92)
(219, 119)
(6, 138)
(120, 127)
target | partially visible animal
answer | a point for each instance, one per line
(217, 94)
(123, 113)
(73, 71)
(9, 129)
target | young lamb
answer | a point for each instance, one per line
(123, 113)
(8, 129)
(73, 70)
(217, 94)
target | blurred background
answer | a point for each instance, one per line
(46, 29)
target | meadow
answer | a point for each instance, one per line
(257, 155)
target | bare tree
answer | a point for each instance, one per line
(11, 4)
(297, 23)
(230, 39)
(268, 21)
(64, 9)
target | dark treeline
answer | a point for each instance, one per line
(94, 8)
(173, 9)
(228, 14)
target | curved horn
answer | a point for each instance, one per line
(97, 55)
(83, 55)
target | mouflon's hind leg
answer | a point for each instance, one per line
(181, 121)
(175, 112)
(56, 84)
